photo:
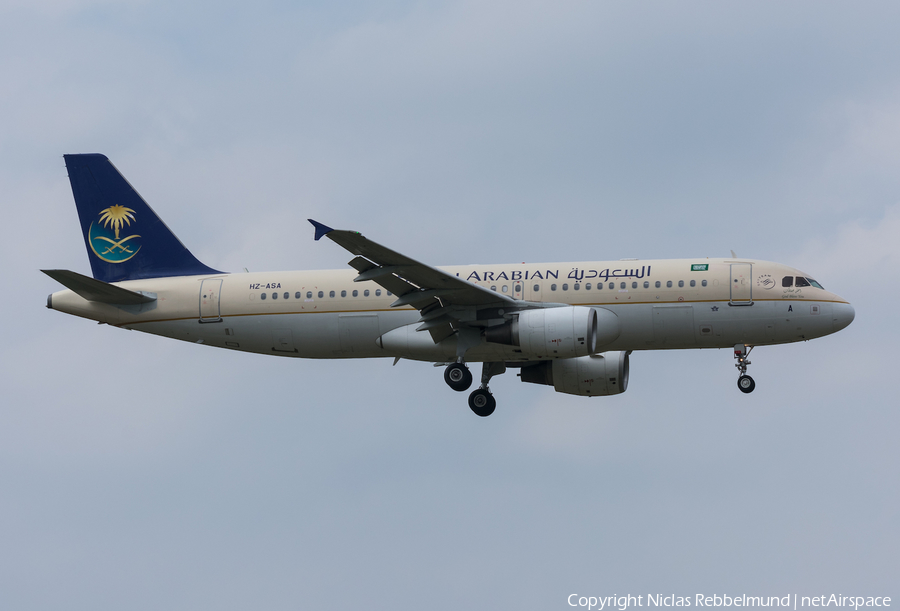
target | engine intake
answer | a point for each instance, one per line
(594, 375)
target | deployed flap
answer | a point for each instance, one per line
(414, 283)
(97, 290)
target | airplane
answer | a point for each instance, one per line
(570, 325)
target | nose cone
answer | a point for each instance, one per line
(842, 315)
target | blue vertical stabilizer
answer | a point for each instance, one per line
(125, 239)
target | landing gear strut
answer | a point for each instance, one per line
(745, 383)
(481, 401)
(458, 377)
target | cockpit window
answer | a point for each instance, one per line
(816, 284)
(787, 281)
(801, 281)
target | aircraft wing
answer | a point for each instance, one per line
(446, 301)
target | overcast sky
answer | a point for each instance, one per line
(142, 473)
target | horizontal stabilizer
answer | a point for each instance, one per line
(97, 290)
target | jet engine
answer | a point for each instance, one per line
(593, 375)
(557, 332)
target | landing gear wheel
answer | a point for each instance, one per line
(482, 402)
(745, 382)
(458, 377)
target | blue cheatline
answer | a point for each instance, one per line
(125, 239)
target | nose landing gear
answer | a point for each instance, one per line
(741, 352)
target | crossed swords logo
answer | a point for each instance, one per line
(116, 244)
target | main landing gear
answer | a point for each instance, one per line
(745, 382)
(481, 401)
(458, 377)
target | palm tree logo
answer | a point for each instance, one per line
(116, 216)
(113, 249)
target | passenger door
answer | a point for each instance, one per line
(741, 284)
(210, 308)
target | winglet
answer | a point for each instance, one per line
(320, 228)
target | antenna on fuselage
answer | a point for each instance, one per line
(733, 256)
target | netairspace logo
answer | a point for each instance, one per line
(791, 601)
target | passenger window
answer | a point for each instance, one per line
(536, 288)
(668, 284)
(703, 282)
(680, 283)
(388, 293)
(565, 286)
(288, 295)
(658, 284)
(693, 283)
(621, 285)
(366, 293)
(309, 294)
(355, 293)
(274, 295)
(263, 297)
(378, 292)
(298, 295)
(494, 287)
(612, 285)
(504, 288)
(634, 285)
(646, 284)
(587, 286)
(343, 293)
(801, 281)
(331, 293)
(552, 287)
(321, 294)
(787, 281)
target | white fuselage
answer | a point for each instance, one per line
(660, 304)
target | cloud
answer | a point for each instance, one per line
(860, 252)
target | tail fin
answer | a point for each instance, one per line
(125, 239)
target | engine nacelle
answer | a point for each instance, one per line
(558, 332)
(594, 375)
